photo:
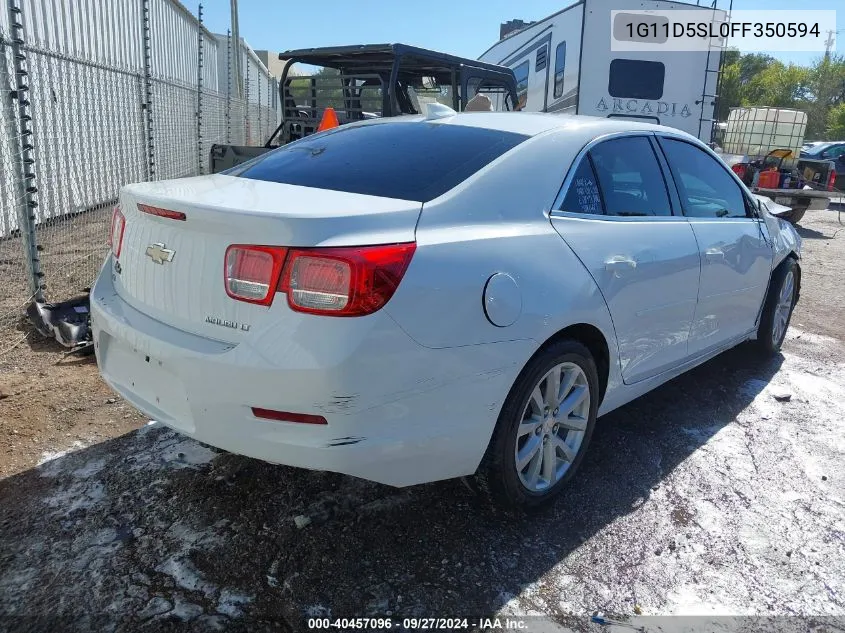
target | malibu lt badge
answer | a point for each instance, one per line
(226, 323)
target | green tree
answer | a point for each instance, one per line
(778, 86)
(752, 64)
(737, 71)
(730, 56)
(827, 88)
(836, 122)
(730, 91)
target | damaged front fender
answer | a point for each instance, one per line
(784, 238)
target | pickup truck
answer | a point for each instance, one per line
(795, 186)
(369, 81)
(831, 151)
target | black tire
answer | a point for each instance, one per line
(497, 477)
(768, 340)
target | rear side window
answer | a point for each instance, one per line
(706, 188)
(630, 178)
(560, 65)
(409, 161)
(636, 79)
(834, 152)
(583, 195)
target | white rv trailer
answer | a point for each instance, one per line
(564, 63)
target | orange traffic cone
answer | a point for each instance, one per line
(329, 120)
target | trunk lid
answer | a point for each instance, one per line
(172, 270)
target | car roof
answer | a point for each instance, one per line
(534, 123)
(819, 146)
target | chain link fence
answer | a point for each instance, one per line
(97, 94)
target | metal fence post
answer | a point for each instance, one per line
(27, 190)
(228, 86)
(246, 101)
(148, 90)
(199, 91)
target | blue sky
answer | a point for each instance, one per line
(462, 27)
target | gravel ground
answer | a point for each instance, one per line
(72, 249)
(713, 495)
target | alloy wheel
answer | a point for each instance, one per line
(783, 308)
(552, 427)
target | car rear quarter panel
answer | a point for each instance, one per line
(497, 222)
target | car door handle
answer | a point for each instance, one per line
(714, 254)
(619, 263)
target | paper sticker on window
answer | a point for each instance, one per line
(588, 195)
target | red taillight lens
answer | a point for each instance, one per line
(118, 223)
(161, 213)
(252, 272)
(739, 170)
(831, 180)
(345, 281)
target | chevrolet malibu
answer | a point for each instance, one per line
(438, 296)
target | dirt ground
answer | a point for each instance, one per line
(707, 497)
(71, 250)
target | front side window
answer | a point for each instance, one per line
(706, 188)
(560, 63)
(630, 178)
(521, 75)
(636, 79)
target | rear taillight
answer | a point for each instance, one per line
(342, 281)
(118, 224)
(831, 180)
(319, 283)
(739, 170)
(252, 272)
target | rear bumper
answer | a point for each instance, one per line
(398, 413)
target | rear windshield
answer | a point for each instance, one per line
(410, 161)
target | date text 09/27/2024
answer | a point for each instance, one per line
(417, 624)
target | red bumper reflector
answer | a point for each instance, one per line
(162, 213)
(284, 416)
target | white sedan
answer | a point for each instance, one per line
(414, 299)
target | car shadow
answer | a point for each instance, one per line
(46, 345)
(810, 234)
(152, 528)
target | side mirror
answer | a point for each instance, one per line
(841, 158)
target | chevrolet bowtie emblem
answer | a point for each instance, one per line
(159, 254)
